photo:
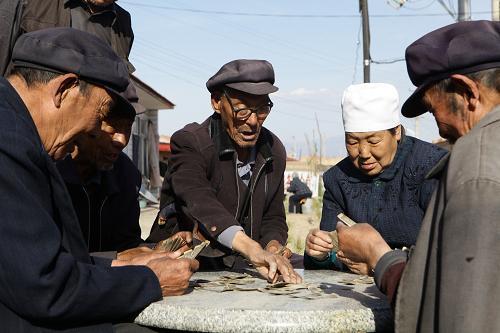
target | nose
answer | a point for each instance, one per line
(252, 121)
(364, 151)
(120, 140)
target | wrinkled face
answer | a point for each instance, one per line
(81, 114)
(448, 112)
(101, 149)
(244, 132)
(372, 152)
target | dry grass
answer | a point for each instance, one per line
(300, 224)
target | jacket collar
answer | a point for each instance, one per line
(225, 146)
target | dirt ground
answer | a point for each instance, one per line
(298, 225)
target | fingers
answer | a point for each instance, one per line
(273, 268)
(288, 273)
(318, 242)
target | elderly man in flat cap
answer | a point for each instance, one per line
(226, 175)
(49, 281)
(448, 282)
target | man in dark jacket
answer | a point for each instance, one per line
(102, 18)
(448, 282)
(300, 192)
(49, 281)
(104, 185)
(226, 174)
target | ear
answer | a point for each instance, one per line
(216, 102)
(398, 133)
(468, 89)
(61, 86)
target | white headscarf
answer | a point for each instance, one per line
(370, 107)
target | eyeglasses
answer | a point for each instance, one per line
(244, 113)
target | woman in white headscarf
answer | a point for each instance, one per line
(383, 180)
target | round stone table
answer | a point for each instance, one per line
(339, 308)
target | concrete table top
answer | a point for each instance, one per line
(340, 308)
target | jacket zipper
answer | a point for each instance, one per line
(100, 222)
(88, 215)
(252, 189)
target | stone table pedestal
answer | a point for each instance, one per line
(329, 305)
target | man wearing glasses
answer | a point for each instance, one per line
(226, 175)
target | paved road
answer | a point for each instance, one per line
(146, 219)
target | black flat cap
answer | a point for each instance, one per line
(67, 50)
(255, 77)
(459, 48)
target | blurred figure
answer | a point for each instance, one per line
(300, 194)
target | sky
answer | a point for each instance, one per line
(315, 47)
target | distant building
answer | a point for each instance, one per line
(143, 147)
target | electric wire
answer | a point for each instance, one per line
(312, 16)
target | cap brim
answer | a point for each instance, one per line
(253, 88)
(413, 106)
(122, 104)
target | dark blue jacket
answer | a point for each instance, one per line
(48, 281)
(393, 202)
(109, 211)
(297, 187)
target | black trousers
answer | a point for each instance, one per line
(294, 205)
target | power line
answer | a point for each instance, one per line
(388, 61)
(217, 12)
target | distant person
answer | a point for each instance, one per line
(300, 194)
(56, 93)
(102, 18)
(225, 175)
(448, 282)
(383, 180)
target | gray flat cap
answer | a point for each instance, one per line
(67, 50)
(255, 77)
(459, 48)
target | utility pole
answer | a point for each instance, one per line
(495, 10)
(463, 10)
(363, 8)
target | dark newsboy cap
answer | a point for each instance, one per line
(255, 77)
(67, 50)
(459, 48)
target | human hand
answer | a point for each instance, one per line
(173, 274)
(276, 248)
(318, 244)
(187, 236)
(141, 256)
(361, 244)
(355, 267)
(270, 266)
